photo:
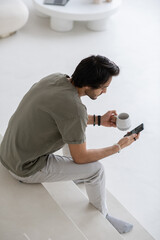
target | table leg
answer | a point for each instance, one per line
(61, 25)
(97, 25)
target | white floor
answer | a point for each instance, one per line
(132, 40)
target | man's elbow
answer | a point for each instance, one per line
(79, 153)
(79, 160)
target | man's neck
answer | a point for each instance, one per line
(81, 91)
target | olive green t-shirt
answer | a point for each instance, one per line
(49, 115)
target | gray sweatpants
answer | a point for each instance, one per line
(62, 168)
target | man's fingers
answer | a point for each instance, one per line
(113, 124)
(134, 136)
(113, 112)
(138, 135)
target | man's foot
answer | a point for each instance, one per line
(119, 225)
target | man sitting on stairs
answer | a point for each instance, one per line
(50, 115)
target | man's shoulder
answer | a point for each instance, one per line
(70, 105)
(60, 95)
(53, 78)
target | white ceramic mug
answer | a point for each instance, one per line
(123, 121)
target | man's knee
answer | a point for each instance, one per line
(96, 168)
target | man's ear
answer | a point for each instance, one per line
(87, 87)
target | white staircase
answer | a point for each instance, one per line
(73, 200)
(117, 210)
(29, 212)
(88, 219)
(57, 211)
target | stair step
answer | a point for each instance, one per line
(27, 211)
(75, 204)
(117, 210)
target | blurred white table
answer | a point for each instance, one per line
(62, 17)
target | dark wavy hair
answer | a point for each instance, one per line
(94, 71)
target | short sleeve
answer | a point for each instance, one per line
(73, 129)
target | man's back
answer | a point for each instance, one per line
(49, 115)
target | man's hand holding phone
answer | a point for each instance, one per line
(131, 136)
(128, 140)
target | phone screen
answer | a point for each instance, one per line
(135, 130)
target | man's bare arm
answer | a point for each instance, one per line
(91, 120)
(107, 120)
(82, 155)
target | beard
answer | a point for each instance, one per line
(93, 98)
(92, 95)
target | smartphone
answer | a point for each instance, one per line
(56, 2)
(135, 130)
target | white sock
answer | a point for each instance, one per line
(119, 225)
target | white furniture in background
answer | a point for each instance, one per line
(62, 17)
(13, 16)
